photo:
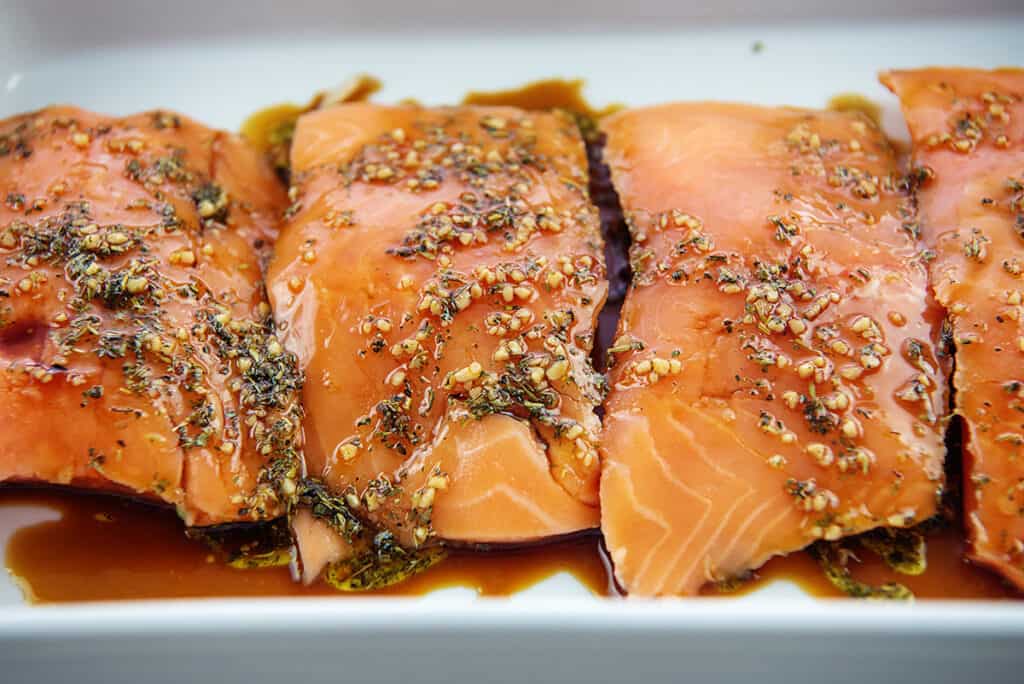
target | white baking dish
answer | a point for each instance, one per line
(220, 61)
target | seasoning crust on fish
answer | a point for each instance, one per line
(137, 350)
(967, 127)
(775, 377)
(440, 273)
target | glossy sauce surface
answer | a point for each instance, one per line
(948, 576)
(105, 548)
(263, 128)
(551, 93)
(854, 102)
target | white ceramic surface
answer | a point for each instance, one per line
(220, 61)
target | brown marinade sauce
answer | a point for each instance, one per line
(110, 548)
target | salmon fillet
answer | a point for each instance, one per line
(137, 350)
(440, 275)
(775, 378)
(968, 139)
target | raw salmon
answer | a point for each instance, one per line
(137, 350)
(775, 379)
(440, 275)
(968, 140)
